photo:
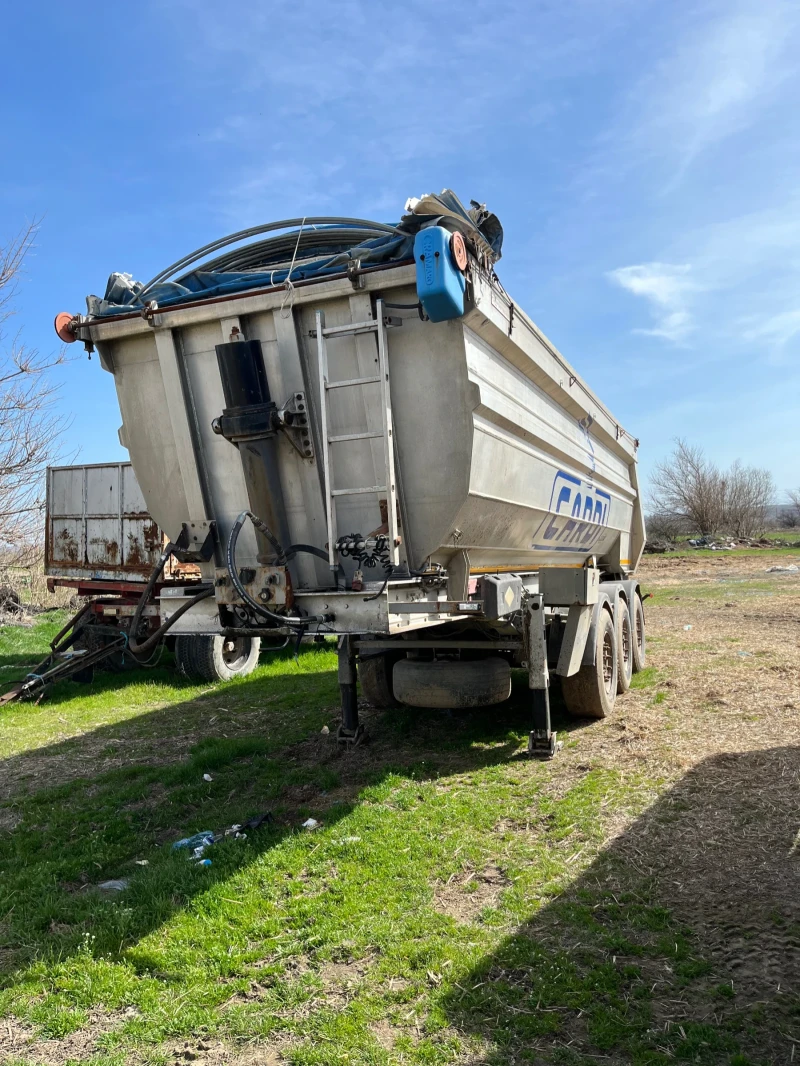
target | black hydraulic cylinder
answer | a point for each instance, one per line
(249, 421)
(244, 376)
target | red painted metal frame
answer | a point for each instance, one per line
(131, 590)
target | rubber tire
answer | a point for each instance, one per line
(587, 694)
(375, 678)
(639, 644)
(201, 658)
(452, 684)
(9, 599)
(93, 641)
(624, 669)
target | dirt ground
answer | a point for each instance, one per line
(722, 720)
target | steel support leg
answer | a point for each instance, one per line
(351, 731)
(542, 741)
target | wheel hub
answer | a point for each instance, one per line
(608, 662)
(234, 652)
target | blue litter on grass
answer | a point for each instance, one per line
(200, 840)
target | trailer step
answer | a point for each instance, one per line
(352, 436)
(358, 492)
(351, 383)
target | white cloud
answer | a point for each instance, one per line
(718, 76)
(772, 332)
(717, 81)
(667, 287)
(389, 95)
(780, 327)
(734, 284)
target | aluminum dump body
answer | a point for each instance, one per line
(502, 451)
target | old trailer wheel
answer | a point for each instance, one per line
(639, 649)
(375, 677)
(216, 658)
(92, 639)
(452, 684)
(625, 641)
(592, 691)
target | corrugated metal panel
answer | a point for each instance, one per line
(97, 523)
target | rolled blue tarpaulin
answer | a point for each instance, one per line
(303, 253)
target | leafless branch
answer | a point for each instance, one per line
(687, 489)
(30, 428)
(791, 515)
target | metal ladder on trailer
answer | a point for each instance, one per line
(378, 326)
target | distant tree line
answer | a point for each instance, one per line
(691, 494)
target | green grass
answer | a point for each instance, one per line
(736, 553)
(646, 678)
(792, 535)
(737, 591)
(99, 779)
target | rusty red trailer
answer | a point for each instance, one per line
(101, 541)
(98, 526)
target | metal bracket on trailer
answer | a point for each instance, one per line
(196, 542)
(292, 420)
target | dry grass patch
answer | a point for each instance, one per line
(20, 1041)
(218, 1053)
(465, 895)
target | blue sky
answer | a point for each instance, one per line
(642, 157)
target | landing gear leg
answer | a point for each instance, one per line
(542, 741)
(350, 732)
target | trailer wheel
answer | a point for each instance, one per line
(625, 641)
(592, 691)
(93, 640)
(639, 648)
(452, 684)
(375, 676)
(216, 658)
(9, 599)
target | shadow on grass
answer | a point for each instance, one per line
(680, 942)
(92, 807)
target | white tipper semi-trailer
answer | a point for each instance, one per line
(383, 446)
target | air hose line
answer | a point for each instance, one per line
(230, 561)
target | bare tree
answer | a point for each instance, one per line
(662, 526)
(687, 487)
(29, 427)
(791, 516)
(748, 492)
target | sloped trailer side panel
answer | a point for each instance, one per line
(502, 450)
(531, 396)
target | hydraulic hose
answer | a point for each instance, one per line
(147, 645)
(230, 560)
(156, 573)
(309, 549)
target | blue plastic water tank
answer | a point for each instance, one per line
(440, 284)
